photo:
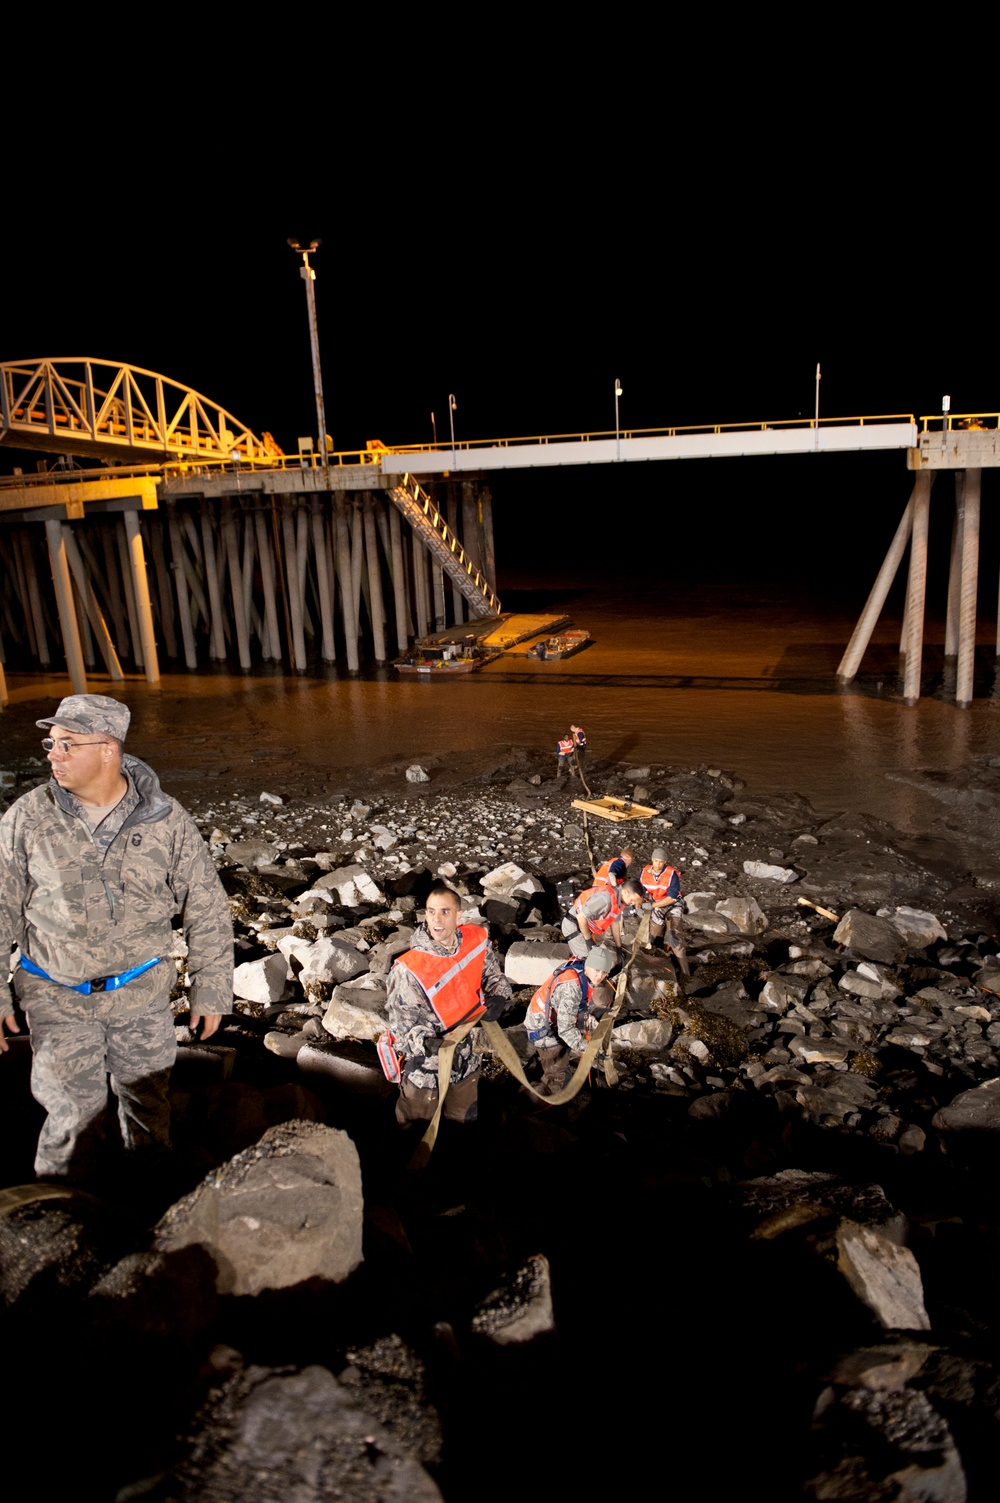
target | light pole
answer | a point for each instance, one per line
(818, 379)
(618, 432)
(452, 406)
(309, 276)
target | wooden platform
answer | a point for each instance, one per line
(618, 810)
(510, 630)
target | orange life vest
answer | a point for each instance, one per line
(565, 746)
(452, 984)
(603, 877)
(538, 1020)
(658, 886)
(601, 925)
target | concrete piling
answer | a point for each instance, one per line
(969, 590)
(200, 577)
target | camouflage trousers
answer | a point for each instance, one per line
(72, 1060)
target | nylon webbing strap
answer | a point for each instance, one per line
(446, 1054)
(508, 1056)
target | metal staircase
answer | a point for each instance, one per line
(437, 537)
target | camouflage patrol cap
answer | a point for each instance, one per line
(92, 715)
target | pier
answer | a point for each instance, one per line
(190, 536)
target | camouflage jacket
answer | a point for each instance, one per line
(80, 907)
(413, 1021)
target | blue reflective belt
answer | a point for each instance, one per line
(99, 983)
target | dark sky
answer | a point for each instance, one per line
(522, 239)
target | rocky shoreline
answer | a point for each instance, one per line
(801, 1134)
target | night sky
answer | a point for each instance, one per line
(522, 249)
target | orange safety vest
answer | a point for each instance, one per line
(452, 984)
(603, 877)
(601, 925)
(538, 1020)
(657, 886)
(565, 746)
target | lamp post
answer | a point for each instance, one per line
(818, 379)
(618, 432)
(309, 276)
(452, 406)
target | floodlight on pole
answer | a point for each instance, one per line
(309, 277)
(452, 407)
(618, 433)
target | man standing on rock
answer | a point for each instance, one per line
(94, 865)
(662, 885)
(449, 976)
(563, 1011)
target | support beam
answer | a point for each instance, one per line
(218, 636)
(398, 579)
(374, 581)
(419, 584)
(180, 585)
(329, 649)
(970, 590)
(856, 647)
(133, 615)
(457, 601)
(267, 579)
(955, 570)
(298, 643)
(345, 577)
(35, 599)
(67, 610)
(140, 585)
(913, 617)
(489, 548)
(235, 583)
(87, 598)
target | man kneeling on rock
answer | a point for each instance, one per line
(597, 915)
(450, 976)
(564, 1012)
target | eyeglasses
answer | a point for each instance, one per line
(67, 747)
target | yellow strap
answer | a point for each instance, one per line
(505, 1049)
(446, 1054)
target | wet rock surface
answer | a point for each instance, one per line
(794, 1178)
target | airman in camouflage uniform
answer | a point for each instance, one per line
(94, 865)
(416, 1028)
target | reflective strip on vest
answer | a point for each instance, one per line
(603, 877)
(467, 1000)
(658, 887)
(565, 746)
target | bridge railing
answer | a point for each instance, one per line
(963, 421)
(676, 431)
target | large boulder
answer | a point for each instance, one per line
(745, 913)
(251, 853)
(352, 885)
(976, 1110)
(883, 1275)
(532, 963)
(270, 1433)
(331, 961)
(917, 927)
(283, 1212)
(356, 1011)
(264, 980)
(54, 1244)
(520, 1309)
(869, 937)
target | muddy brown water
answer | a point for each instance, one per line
(709, 676)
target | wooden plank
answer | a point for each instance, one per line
(618, 810)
